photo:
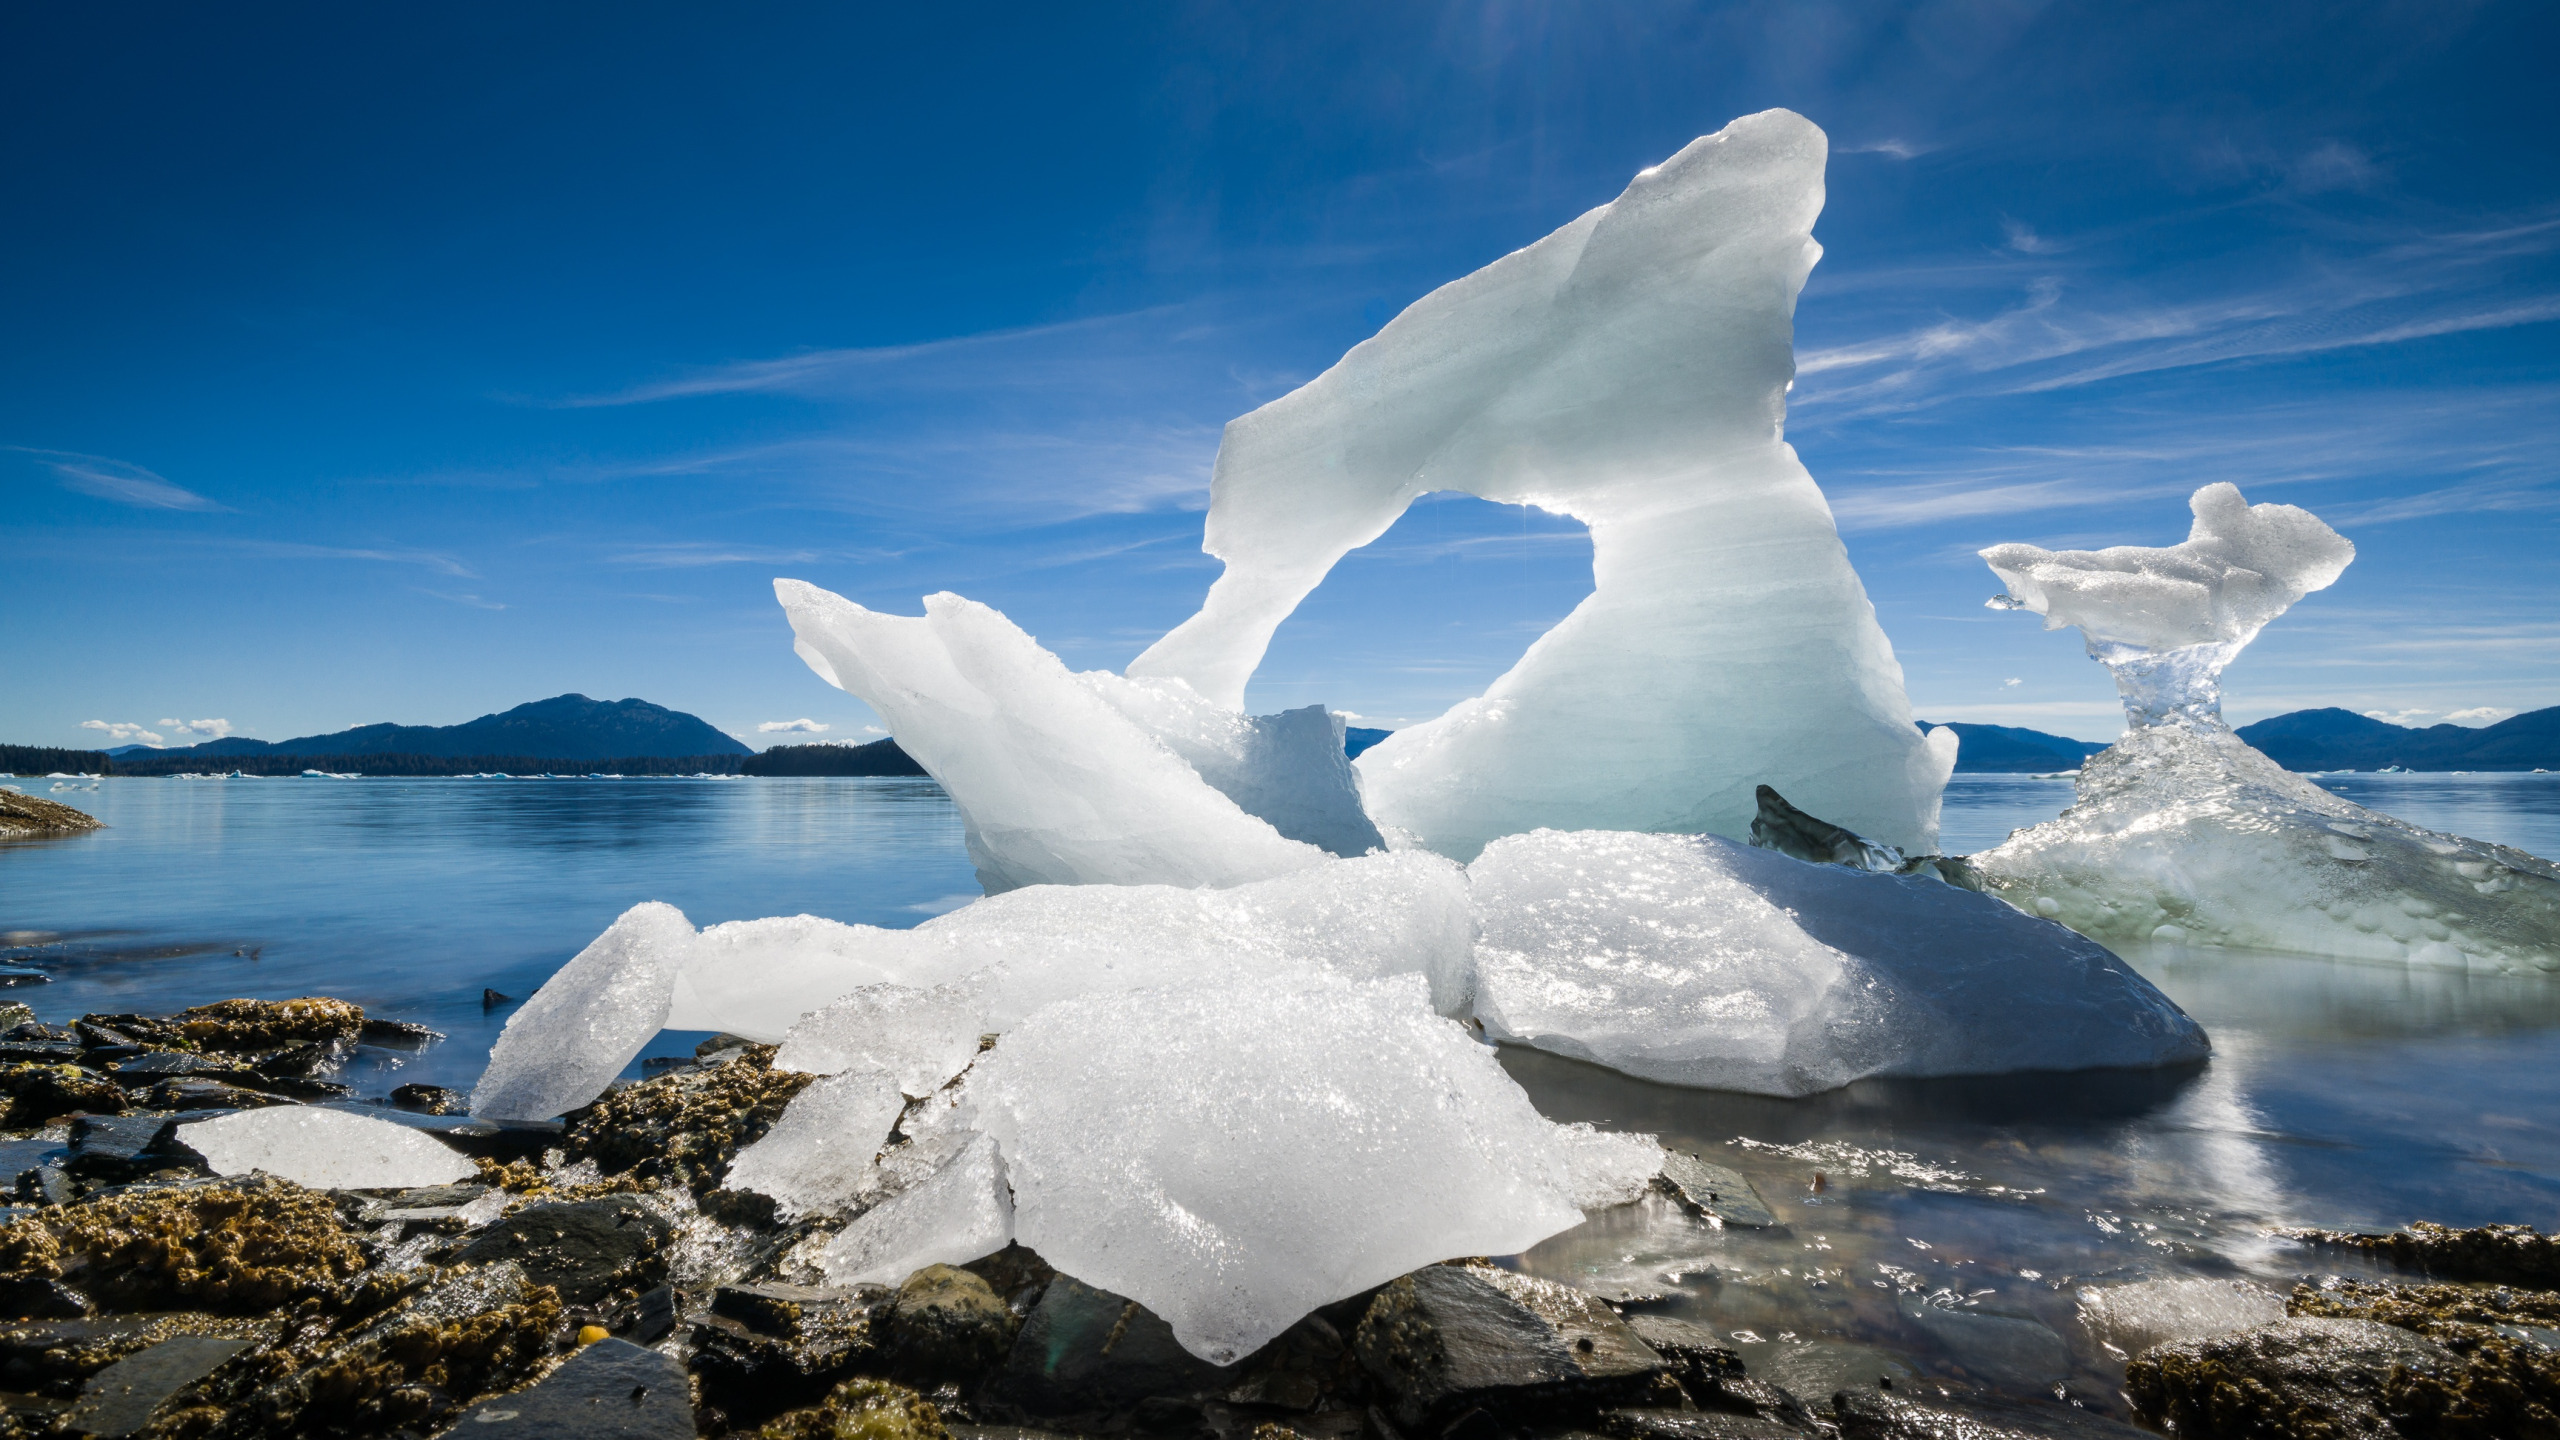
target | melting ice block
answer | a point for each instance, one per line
(1234, 1157)
(1054, 780)
(2182, 832)
(960, 1212)
(819, 1155)
(563, 1046)
(1697, 961)
(1629, 370)
(325, 1149)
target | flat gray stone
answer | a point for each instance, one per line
(123, 1397)
(1715, 1191)
(1447, 1337)
(611, 1390)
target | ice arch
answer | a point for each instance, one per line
(1629, 370)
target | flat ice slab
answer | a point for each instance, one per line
(324, 1149)
(1697, 961)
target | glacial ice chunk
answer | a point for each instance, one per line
(1288, 769)
(961, 1212)
(2137, 1316)
(1629, 370)
(819, 1155)
(1054, 783)
(325, 1149)
(1609, 1167)
(1232, 1157)
(588, 1021)
(2181, 832)
(2167, 621)
(1696, 961)
(919, 1038)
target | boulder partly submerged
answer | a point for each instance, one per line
(30, 816)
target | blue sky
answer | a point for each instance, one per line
(368, 364)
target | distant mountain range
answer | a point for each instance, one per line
(564, 727)
(2009, 750)
(2334, 739)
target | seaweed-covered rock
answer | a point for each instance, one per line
(2498, 1254)
(40, 1092)
(2421, 1307)
(118, 1031)
(687, 1126)
(586, 1249)
(764, 1349)
(56, 1357)
(948, 1325)
(2316, 1377)
(235, 1248)
(22, 815)
(1914, 1409)
(123, 1397)
(430, 1099)
(2509, 1383)
(240, 1026)
(862, 1410)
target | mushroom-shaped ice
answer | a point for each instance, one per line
(2167, 620)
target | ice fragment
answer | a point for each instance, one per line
(818, 1156)
(588, 1020)
(325, 1149)
(962, 1212)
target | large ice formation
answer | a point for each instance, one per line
(1234, 1157)
(1697, 961)
(1629, 370)
(2183, 832)
(325, 1149)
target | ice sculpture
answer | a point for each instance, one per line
(2183, 832)
(1233, 1157)
(1697, 961)
(1629, 370)
(1082, 779)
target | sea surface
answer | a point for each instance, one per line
(1945, 1226)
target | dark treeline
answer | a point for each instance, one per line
(880, 757)
(139, 764)
(45, 760)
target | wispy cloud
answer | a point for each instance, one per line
(1894, 147)
(125, 732)
(200, 729)
(474, 601)
(295, 550)
(117, 480)
(801, 726)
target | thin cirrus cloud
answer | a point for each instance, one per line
(123, 482)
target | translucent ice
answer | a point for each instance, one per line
(962, 1212)
(325, 1149)
(1233, 1157)
(1697, 961)
(1055, 783)
(588, 1020)
(919, 1038)
(2135, 1317)
(1609, 1167)
(1629, 370)
(1288, 768)
(2167, 621)
(819, 1155)
(2181, 832)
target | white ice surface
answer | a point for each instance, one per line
(563, 1046)
(818, 1157)
(920, 1038)
(1698, 961)
(1629, 370)
(1288, 768)
(1609, 1167)
(2135, 1317)
(324, 1149)
(959, 1213)
(1232, 1157)
(1054, 783)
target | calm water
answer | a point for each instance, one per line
(1945, 1226)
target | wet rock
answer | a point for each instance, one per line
(301, 1060)
(685, 1127)
(57, 1357)
(431, 1099)
(431, 1207)
(862, 1410)
(1712, 1374)
(2422, 1307)
(1714, 1191)
(585, 1249)
(48, 1183)
(148, 1031)
(36, 1297)
(2509, 1383)
(2318, 1376)
(296, 1087)
(655, 1315)
(113, 1148)
(764, 1349)
(2002, 1349)
(1088, 1352)
(611, 1390)
(24, 815)
(406, 1033)
(1302, 1369)
(15, 1013)
(1697, 1425)
(1449, 1337)
(191, 1092)
(948, 1325)
(2498, 1254)
(123, 1397)
(35, 1031)
(154, 1065)
(1937, 1409)
(259, 1025)
(39, 1052)
(38, 1093)
(236, 1247)
(1820, 1368)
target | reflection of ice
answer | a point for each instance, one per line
(1644, 1251)
(2210, 1148)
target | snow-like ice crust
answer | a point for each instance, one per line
(1233, 1158)
(2167, 621)
(2182, 832)
(1696, 961)
(960, 1212)
(1629, 370)
(325, 1149)
(563, 1046)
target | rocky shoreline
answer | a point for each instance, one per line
(23, 815)
(595, 1278)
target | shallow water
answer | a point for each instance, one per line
(1953, 1224)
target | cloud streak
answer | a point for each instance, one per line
(105, 478)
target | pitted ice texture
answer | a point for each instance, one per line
(2185, 833)
(2166, 621)
(563, 1046)
(325, 1149)
(1629, 370)
(1696, 961)
(1233, 1156)
(1055, 783)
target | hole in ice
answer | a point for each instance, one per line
(1429, 613)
